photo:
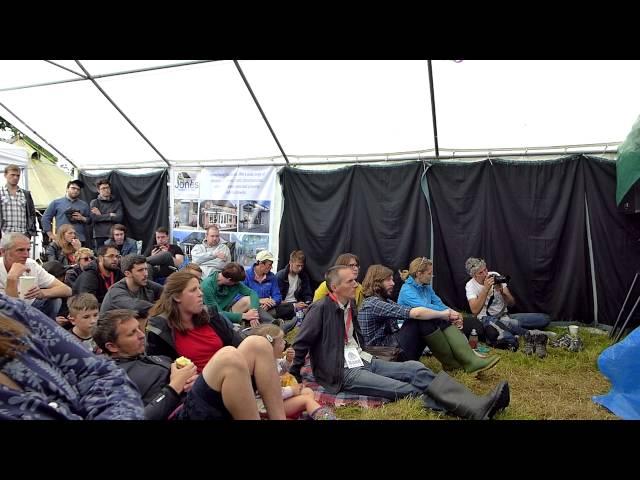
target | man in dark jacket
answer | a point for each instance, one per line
(160, 383)
(105, 212)
(331, 335)
(295, 286)
(100, 275)
(163, 385)
(133, 288)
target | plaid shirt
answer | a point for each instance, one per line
(14, 211)
(379, 320)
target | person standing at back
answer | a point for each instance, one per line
(17, 210)
(106, 211)
(68, 209)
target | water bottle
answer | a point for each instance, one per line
(473, 339)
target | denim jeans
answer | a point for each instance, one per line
(50, 307)
(531, 321)
(392, 380)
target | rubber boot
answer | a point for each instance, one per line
(529, 344)
(540, 340)
(465, 355)
(440, 348)
(460, 401)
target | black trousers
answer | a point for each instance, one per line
(411, 335)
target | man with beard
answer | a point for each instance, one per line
(331, 335)
(68, 209)
(105, 212)
(100, 275)
(135, 289)
(438, 329)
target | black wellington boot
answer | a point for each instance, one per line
(461, 401)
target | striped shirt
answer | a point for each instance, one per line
(14, 211)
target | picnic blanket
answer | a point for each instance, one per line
(338, 400)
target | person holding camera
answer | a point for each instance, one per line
(68, 210)
(489, 299)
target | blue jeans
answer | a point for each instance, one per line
(392, 380)
(50, 307)
(531, 321)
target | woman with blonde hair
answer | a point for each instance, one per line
(63, 249)
(181, 325)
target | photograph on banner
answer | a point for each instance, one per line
(254, 216)
(247, 246)
(185, 214)
(186, 239)
(186, 184)
(222, 213)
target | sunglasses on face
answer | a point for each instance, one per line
(87, 258)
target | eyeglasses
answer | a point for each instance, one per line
(86, 258)
(353, 265)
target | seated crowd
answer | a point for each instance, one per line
(166, 335)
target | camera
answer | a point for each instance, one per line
(501, 278)
(69, 212)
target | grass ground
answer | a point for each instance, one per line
(558, 387)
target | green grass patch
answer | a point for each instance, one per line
(558, 387)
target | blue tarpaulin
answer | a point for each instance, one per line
(620, 363)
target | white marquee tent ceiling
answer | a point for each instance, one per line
(203, 113)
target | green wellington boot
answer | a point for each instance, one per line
(465, 355)
(440, 348)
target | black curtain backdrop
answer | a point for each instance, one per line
(145, 201)
(616, 242)
(526, 219)
(377, 213)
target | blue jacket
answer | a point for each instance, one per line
(61, 379)
(414, 295)
(266, 289)
(57, 209)
(130, 246)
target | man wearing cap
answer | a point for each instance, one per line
(17, 210)
(261, 280)
(135, 291)
(68, 209)
(106, 211)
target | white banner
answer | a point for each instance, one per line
(236, 199)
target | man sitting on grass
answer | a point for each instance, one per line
(331, 335)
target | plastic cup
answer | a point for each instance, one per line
(573, 330)
(24, 285)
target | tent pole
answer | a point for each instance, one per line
(36, 133)
(246, 82)
(591, 263)
(433, 111)
(121, 112)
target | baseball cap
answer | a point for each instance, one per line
(264, 255)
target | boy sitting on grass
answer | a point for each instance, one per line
(83, 315)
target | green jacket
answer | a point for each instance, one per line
(221, 297)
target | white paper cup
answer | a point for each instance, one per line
(573, 330)
(24, 285)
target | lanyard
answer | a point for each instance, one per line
(108, 281)
(349, 318)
